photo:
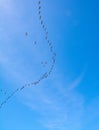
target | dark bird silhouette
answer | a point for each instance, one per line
(39, 12)
(39, 2)
(35, 42)
(41, 22)
(26, 33)
(40, 17)
(39, 7)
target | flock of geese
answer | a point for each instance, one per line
(53, 55)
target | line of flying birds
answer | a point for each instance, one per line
(46, 74)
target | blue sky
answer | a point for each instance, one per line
(68, 99)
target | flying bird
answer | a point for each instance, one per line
(26, 33)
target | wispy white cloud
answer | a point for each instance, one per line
(78, 80)
(57, 109)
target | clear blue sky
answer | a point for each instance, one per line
(69, 98)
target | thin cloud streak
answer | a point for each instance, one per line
(78, 80)
(56, 110)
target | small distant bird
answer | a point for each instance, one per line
(48, 41)
(40, 17)
(39, 12)
(44, 63)
(45, 29)
(43, 26)
(39, 7)
(35, 42)
(46, 37)
(41, 62)
(41, 22)
(26, 34)
(39, 2)
(46, 33)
